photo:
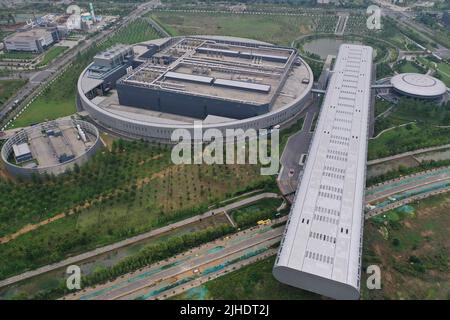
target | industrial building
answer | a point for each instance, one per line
(152, 88)
(22, 152)
(321, 248)
(418, 85)
(32, 40)
(50, 147)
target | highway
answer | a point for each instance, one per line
(157, 279)
(398, 192)
(115, 246)
(407, 19)
(197, 266)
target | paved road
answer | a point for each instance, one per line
(297, 145)
(155, 279)
(138, 238)
(432, 178)
(44, 77)
(408, 186)
(407, 19)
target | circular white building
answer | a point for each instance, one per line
(50, 147)
(418, 85)
(148, 90)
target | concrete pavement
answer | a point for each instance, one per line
(297, 145)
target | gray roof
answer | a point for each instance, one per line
(32, 34)
(188, 77)
(242, 85)
(21, 150)
(321, 249)
(417, 84)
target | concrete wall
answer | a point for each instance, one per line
(185, 104)
(162, 132)
(57, 169)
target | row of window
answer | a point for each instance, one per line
(337, 152)
(342, 138)
(331, 188)
(338, 142)
(342, 129)
(331, 196)
(329, 211)
(319, 257)
(336, 158)
(333, 175)
(343, 120)
(333, 169)
(321, 236)
(326, 219)
(346, 98)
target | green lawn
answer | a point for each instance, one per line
(17, 56)
(254, 282)
(407, 138)
(270, 28)
(442, 69)
(408, 67)
(410, 245)
(8, 88)
(52, 54)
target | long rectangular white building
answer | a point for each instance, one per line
(321, 248)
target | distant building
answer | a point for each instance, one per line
(323, 1)
(446, 18)
(32, 40)
(22, 152)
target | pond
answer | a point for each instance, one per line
(326, 46)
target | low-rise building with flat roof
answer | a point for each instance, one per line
(33, 40)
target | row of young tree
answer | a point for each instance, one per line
(149, 254)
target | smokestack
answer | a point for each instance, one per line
(91, 7)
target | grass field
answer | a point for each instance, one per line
(411, 247)
(254, 282)
(442, 69)
(8, 88)
(428, 116)
(408, 67)
(52, 54)
(119, 193)
(407, 138)
(17, 56)
(269, 28)
(58, 100)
